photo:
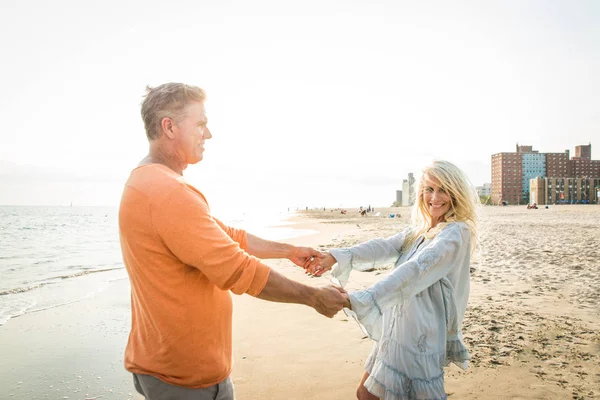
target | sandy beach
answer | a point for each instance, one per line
(532, 325)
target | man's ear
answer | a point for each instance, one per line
(167, 126)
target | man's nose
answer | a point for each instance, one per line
(206, 134)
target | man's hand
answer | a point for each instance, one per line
(347, 303)
(329, 300)
(303, 256)
(319, 265)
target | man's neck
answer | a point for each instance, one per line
(158, 156)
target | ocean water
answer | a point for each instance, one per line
(51, 256)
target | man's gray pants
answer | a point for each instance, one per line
(154, 389)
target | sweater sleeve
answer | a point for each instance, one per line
(184, 222)
(237, 235)
(367, 255)
(428, 266)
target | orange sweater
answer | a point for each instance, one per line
(182, 263)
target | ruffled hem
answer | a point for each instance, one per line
(396, 373)
(343, 267)
(389, 362)
(389, 383)
(457, 353)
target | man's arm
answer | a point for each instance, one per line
(326, 300)
(265, 249)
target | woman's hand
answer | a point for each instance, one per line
(319, 265)
(304, 256)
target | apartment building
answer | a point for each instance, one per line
(565, 190)
(484, 190)
(513, 174)
(557, 164)
(507, 178)
(408, 190)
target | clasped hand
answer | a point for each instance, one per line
(329, 299)
(321, 264)
(313, 261)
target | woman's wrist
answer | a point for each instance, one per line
(330, 259)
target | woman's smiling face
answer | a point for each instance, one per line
(437, 200)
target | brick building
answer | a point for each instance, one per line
(557, 164)
(514, 173)
(507, 177)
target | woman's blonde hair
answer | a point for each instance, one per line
(463, 204)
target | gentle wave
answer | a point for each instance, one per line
(75, 275)
(21, 289)
(16, 309)
(42, 262)
(91, 271)
(57, 293)
(66, 303)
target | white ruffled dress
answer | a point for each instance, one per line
(415, 313)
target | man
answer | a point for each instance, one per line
(183, 262)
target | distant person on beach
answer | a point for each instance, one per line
(183, 263)
(415, 313)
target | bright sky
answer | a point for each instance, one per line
(315, 103)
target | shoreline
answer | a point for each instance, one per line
(70, 287)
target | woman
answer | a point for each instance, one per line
(415, 314)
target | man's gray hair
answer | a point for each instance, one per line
(168, 100)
